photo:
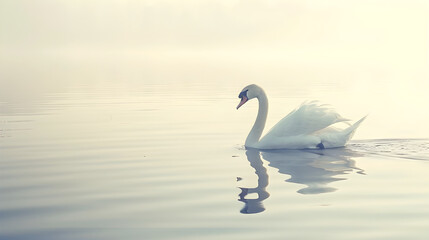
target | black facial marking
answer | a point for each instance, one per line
(243, 94)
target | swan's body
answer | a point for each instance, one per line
(308, 126)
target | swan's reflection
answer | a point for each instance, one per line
(315, 169)
(255, 205)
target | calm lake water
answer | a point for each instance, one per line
(118, 119)
(120, 159)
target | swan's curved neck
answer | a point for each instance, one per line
(258, 127)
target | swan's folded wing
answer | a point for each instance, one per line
(308, 118)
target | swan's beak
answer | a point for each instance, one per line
(243, 101)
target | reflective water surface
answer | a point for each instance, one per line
(108, 161)
(118, 119)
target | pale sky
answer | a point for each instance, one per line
(376, 50)
(285, 24)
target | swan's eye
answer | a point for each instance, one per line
(243, 94)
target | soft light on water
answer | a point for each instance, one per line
(118, 120)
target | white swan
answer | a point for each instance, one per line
(307, 127)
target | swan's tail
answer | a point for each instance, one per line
(350, 131)
(335, 138)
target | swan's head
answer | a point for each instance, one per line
(249, 92)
